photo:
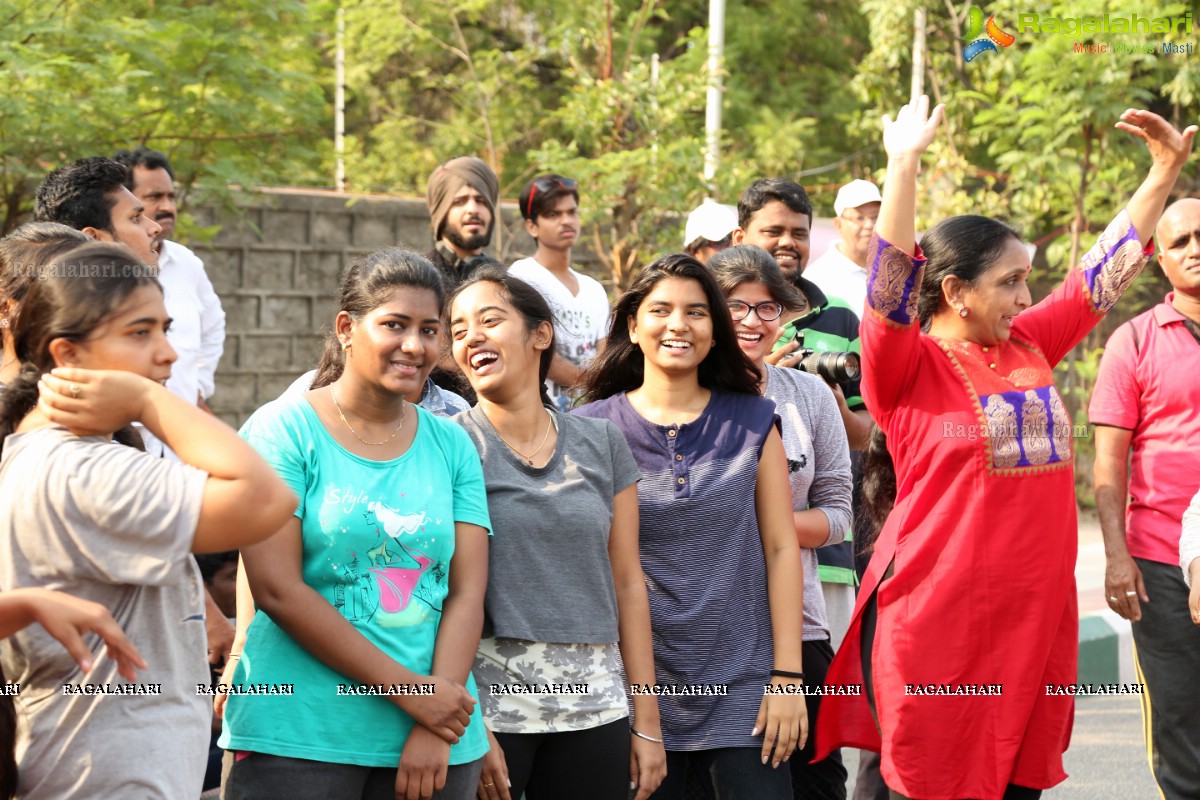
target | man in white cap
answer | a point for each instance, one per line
(842, 270)
(709, 230)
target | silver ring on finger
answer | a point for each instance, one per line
(75, 389)
(1131, 594)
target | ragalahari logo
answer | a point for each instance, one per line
(983, 38)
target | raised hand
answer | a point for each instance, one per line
(1168, 147)
(913, 129)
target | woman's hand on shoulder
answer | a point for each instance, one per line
(911, 133)
(88, 402)
(1168, 147)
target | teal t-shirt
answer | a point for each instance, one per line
(378, 537)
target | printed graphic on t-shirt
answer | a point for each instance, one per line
(576, 347)
(396, 579)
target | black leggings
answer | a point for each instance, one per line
(591, 764)
(870, 617)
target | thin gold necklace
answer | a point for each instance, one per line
(346, 422)
(529, 458)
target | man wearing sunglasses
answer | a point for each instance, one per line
(550, 206)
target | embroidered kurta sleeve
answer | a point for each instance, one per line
(890, 330)
(1061, 319)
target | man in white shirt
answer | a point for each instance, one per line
(197, 319)
(550, 206)
(197, 325)
(842, 270)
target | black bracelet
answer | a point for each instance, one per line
(783, 673)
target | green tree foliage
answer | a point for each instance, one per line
(573, 88)
(228, 90)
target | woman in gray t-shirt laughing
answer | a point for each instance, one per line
(566, 601)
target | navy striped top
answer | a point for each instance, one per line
(703, 559)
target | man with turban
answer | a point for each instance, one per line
(462, 198)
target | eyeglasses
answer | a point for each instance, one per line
(767, 312)
(547, 183)
(858, 220)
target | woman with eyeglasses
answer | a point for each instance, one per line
(717, 541)
(818, 458)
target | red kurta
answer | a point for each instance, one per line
(979, 616)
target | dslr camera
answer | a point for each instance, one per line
(832, 366)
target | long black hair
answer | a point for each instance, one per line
(527, 301)
(365, 286)
(621, 367)
(70, 300)
(964, 247)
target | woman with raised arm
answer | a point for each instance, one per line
(106, 523)
(966, 621)
(566, 600)
(716, 532)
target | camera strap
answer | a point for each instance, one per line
(1193, 328)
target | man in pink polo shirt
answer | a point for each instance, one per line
(1147, 400)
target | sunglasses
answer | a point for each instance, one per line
(548, 183)
(766, 312)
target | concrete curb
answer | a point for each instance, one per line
(1105, 648)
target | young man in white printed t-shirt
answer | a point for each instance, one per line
(550, 206)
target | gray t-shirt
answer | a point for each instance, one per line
(818, 456)
(113, 525)
(549, 577)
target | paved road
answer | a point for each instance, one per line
(1107, 759)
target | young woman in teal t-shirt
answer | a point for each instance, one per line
(371, 598)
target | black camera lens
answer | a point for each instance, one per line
(833, 367)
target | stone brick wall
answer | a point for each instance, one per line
(276, 263)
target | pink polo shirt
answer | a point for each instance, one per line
(1149, 383)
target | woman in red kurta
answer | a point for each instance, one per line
(971, 587)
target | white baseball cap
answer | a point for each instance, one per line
(855, 194)
(712, 221)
